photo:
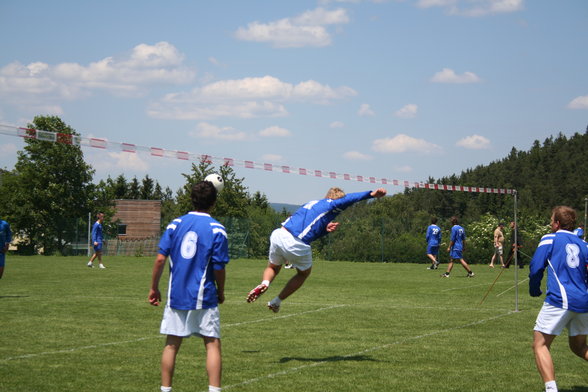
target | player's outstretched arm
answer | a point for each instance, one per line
(380, 192)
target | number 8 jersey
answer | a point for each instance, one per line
(566, 257)
(196, 245)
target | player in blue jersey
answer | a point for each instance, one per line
(456, 248)
(97, 241)
(5, 239)
(197, 247)
(433, 238)
(579, 231)
(565, 257)
(291, 242)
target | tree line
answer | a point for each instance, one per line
(47, 196)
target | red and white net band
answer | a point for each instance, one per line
(77, 140)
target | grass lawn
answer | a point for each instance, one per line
(352, 327)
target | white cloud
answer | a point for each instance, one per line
(336, 124)
(474, 142)
(403, 169)
(274, 131)
(365, 110)
(474, 8)
(244, 98)
(119, 161)
(579, 103)
(210, 131)
(408, 111)
(404, 143)
(272, 158)
(356, 156)
(449, 76)
(8, 150)
(307, 29)
(127, 75)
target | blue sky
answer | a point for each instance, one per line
(401, 90)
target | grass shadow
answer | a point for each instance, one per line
(575, 388)
(335, 358)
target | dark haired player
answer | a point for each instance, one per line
(198, 250)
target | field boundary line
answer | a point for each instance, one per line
(372, 349)
(512, 287)
(93, 346)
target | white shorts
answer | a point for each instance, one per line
(185, 323)
(552, 320)
(285, 248)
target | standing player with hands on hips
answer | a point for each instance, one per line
(291, 242)
(198, 250)
(565, 256)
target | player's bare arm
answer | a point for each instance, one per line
(154, 297)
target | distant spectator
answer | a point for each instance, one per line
(498, 244)
(514, 232)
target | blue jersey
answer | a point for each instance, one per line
(458, 237)
(566, 256)
(5, 233)
(310, 221)
(196, 245)
(579, 232)
(433, 235)
(97, 232)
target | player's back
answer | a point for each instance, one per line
(567, 262)
(192, 242)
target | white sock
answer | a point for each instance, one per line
(166, 389)
(265, 282)
(550, 386)
(213, 389)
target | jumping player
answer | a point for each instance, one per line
(433, 241)
(291, 242)
(566, 303)
(198, 250)
(456, 248)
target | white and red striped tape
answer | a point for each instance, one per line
(77, 140)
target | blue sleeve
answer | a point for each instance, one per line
(94, 227)
(220, 250)
(350, 199)
(537, 267)
(428, 234)
(165, 242)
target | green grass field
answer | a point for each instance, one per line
(352, 327)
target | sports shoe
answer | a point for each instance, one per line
(273, 307)
(470, 274)
(90, 264)
(288, 266)
(431, 267)
(445, 275)
(102, 266)
(256, 292)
